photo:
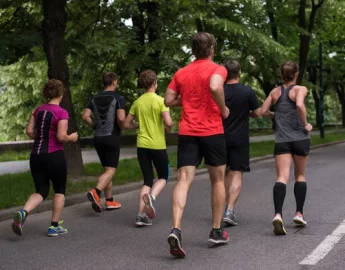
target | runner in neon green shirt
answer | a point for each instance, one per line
(154, 119)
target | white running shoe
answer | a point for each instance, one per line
(278, 226)
(299, 220)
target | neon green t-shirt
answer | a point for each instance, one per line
(148, 111)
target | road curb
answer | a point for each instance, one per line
(81, 197)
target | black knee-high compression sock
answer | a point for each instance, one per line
(279, 192)
(300, 190)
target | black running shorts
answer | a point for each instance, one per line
(237, 156)
(159, 159)
(108, 150)
(49, 167)
(192, 149)
(297, 148)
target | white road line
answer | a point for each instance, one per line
(325, 246)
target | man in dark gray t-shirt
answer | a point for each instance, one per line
(108, 109)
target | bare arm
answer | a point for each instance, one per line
(172, 99)
(62, 132)
(301, 110)
(217, 92)
(269, 114)
(255, 113)
(129, 122)
(266, 106)
(168, 121)
(31, 128)
(87, 118)
(121, 117)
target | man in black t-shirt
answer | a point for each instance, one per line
(242, 103)
(108, 109)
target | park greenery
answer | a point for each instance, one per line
(15, 188)
(77, 40)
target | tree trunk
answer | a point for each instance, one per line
(270, 13)
(317, 107)
(342, 104)
(305, 37)
(341, 96)
(312, 72)
(54, 26)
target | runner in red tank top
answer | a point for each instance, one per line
(198, 87)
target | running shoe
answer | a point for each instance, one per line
(95, 200)
(19, 218)
(278, 226)
(218, 236)
(112, 205)
(175, 243)
(229, 217)
(56, 231)
(144, 220)
(299, 220)
(150, 205)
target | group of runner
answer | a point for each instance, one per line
(214, 126)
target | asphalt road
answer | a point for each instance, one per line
(110, 240)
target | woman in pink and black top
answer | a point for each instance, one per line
(48, 128)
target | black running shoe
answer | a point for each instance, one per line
(218, 236)
(175, 242)
(143, 221)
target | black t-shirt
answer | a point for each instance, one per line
(240, 100)
(104, 106)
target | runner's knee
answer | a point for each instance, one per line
(164, 174)
(109, 170)
(148, 182)
(43, 191)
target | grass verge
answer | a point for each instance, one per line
(15, 188)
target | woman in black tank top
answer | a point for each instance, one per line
(292, 142)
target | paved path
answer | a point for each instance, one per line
(110, 240)
(90, 155)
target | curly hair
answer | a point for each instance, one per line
(53, 89)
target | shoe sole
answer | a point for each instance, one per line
(175, 246)
(95, 206)
(56, 234)
(150, 211)
(300, 223)
(278, 227)
(229, 222)
(142, 224)
(16, 227)
(218, 242)
(110, 208)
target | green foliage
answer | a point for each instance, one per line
(22, 82)
(129, 36)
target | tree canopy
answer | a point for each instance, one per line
(129, 36)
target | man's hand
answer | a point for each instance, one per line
(225, 113)
(308, 127)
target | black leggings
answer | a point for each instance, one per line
(160, 160)
(49, 167)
